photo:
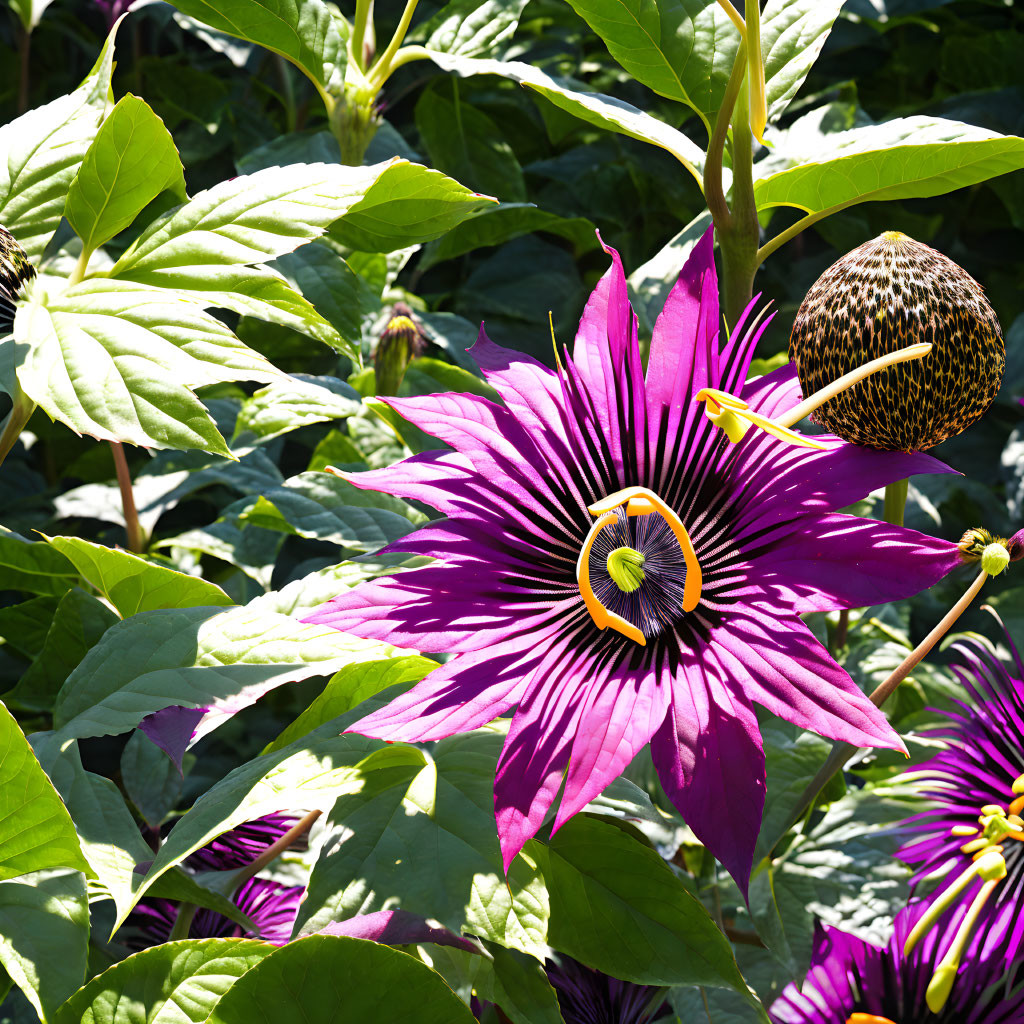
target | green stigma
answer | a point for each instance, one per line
(994, 559)
(626, 568)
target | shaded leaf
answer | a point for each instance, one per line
(341, 979)
(173, 983)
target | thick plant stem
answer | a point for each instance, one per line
(713, 189)
(133, 528)
(841, 752)
(738, 241)
(895, 502)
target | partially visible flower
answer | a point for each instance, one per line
(854, 982)
(586, 996)
(271, 906)
(15, 272)
(976, 789)
(617, 570)
(884, 295)
(113, 9)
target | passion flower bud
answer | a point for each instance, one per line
(15, 272)
(401, 341)
(887, 294)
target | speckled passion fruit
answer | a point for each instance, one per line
(884, 295)
(15, 270)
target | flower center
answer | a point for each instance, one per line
(626, 568)
(637, 569)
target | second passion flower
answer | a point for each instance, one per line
(615, 569)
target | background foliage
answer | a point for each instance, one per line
(229, 342)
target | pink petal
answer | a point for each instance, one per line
(710, 760)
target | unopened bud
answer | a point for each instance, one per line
(1015, 545)
(994, 559)
(401, 341)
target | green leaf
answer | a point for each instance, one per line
(502, 223)
(258, 292)
(470, 28)
(684, 49)
(518, 984)
(150, 778)
(341, 295)
(408, 204)
(78, 624)
(118, 361)
(131, 584)
(616, 906)
(249, 548)
(325, 507)
(348, 688)
(111, 841)
(464, 142)
(303, 31)
(593, 107)
(36, 831)
(40, 153)
(844, 872)
(44, 936)
(249, 219)
(906, 158)
(420, 835)
(130, 162)
(173, 983)
(342, 979)
(310, 773)
(219, 660)
(33, 566)
(23, 627)
(296, 402)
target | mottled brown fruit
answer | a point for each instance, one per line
(15, 270)
(887, 294)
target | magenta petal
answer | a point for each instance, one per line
(776, 660)
(172, 730)
(467, 693)
(710, 760)
(434, 609)
(621, 714)
(537, 748)
(396, 928)
(840, 561)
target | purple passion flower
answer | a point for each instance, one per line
(618, 571)
(975, 786)
(271, 906)
(854, 982)
(587, 996)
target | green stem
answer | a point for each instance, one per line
(794, 229)
(136, 542)
(713, 190)
(19, 415)
(407, 54)
(183, 922)
(78, 274)
(355, 44)
(895, 502)
(378, 74)
(738, 242)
